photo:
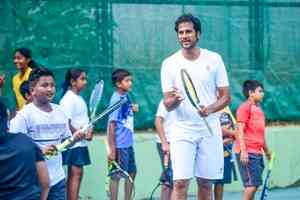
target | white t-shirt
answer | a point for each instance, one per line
(76, 110)
(207, 73)
(45, 128)
(167, 117)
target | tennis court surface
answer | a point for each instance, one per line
(284, 141)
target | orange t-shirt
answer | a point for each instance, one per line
(254, 130)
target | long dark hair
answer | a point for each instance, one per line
(72, 74)
(27, 54)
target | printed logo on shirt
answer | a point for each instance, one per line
(45, 132)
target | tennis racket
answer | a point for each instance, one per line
(115, 168)
(160, 183)
(228, 152)
(227, 118)
(192, 95)
(227, 110)
(265, 190)
(70, 141)
(154, 190)
(107, 180)
(95, 98)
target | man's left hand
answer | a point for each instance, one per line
(204, 111)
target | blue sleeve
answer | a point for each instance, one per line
(114, 116)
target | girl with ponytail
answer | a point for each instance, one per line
(76, 110)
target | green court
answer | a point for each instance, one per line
(286, 172)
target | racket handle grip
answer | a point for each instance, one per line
(61, 147)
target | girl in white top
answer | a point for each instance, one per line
(76, 111)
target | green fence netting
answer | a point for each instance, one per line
(257, 39)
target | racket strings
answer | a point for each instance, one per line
(95, 98)
(190, 89)
(115, 171)
(192, 95)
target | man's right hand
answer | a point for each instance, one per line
(173, 98)
(176, 95)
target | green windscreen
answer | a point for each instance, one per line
(258, 39)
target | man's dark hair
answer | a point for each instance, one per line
(118, 75)
(24, 89)
(251, 85)
(37, 73)
(188, 18)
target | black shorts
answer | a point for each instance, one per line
(78, 156)
(126, 159)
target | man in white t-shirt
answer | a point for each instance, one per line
(194, 151)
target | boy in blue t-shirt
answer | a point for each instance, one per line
(120, 133)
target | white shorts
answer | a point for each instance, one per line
(201, 157)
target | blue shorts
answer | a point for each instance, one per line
(57, 191)
(228, 166)
(251, 173)
(166, 177)
(125, 158)
(78, 156)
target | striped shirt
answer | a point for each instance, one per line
(45, 128)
